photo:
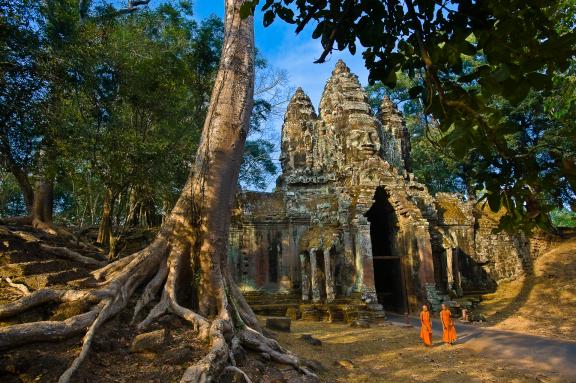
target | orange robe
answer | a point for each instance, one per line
(448, 329)
(426, 330)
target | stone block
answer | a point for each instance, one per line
(149, 341)
(279, 323)
(293, 313)
(311, 340)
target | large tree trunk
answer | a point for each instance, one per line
(105, 229)
(39, 201)
(40, 206)
(141, 210)
(19, 173)
(43, 206)
(192, 242)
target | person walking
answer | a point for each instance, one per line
(426, 329)
(448, 329)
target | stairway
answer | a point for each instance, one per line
(345, 309)
(25, 262)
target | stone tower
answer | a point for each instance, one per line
(397, 150)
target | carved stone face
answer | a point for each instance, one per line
(363, 143)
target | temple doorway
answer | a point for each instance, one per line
(389, 278)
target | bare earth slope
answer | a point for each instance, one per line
(541, 304)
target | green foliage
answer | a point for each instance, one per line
(563, 218)
(133, 101)
(521, 48)
(271, 94)
(431, 163)
(22, 86)
(11, 201)
(257, 163)
(113, 101)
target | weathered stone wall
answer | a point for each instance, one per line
(541, 242)
(481, 257)
(263, 244)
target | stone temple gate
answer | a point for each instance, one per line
(348, 221)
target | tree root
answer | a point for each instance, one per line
(47, 295)
(214, 362)
(20, 334)
(199, 323)
(66, 253)
(48, 228)
(157, 268)
(19, 286)
(111, 307)
(239, 371)
(104, 272)
(136, 272)
(152, 288)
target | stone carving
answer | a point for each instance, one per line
(348, 219)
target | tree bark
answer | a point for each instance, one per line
(204, 208)
(105, 228)
(43, 205)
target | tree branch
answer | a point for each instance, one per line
(133, 5)
(330, 43)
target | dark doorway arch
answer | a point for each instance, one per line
(389, 277)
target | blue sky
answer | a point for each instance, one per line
(294, 53)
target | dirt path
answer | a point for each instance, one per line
(523, 350)
(540, 304)
(392, 352)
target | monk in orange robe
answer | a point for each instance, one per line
(426, 329)
(448, 329)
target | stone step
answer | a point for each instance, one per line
(31, 268)
(271, 310)
(265, 296)
(258, 302)
(39, 281)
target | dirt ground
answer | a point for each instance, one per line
(110, 360)
(392, 353)
(542, 304)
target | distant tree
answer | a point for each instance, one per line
(271, 94)
(22, 89)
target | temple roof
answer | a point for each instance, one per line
(343, 93)
(300, 106)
